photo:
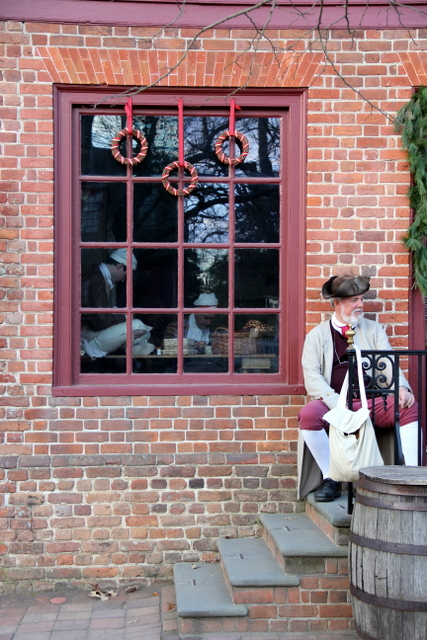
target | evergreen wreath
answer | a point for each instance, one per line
(411, 121)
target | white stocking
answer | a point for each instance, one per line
(318, 443)
(409, 438)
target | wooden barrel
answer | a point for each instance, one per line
(388, 554)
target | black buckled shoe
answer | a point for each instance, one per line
(328, 491)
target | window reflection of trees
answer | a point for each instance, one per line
(206, 213)
(205, 270)
(206, 210)
(263, 135)
(257, 213)
(161, 133)
(200, 133)
(155, 214)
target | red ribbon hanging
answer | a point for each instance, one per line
(232, 120)
(180, 132)
(129, 115)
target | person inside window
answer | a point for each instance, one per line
(197, 326)
(104, 333)
(325, 364)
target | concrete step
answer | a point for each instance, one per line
(331, 517)
(298, 544)
(201, 592)
(249, 562)
(204, 603)
(293, 580)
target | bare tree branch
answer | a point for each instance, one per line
(135, 90)
(321, 33)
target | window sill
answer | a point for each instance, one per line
(133, 389)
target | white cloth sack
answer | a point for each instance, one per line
(352, 440)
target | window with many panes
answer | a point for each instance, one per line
(182, 279)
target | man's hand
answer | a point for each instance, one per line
(138, 333)
(406, 398)
(200, 346)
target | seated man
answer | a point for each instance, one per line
(325, 364)
(196, 325)
(103, 333)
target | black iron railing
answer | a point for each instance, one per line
(381, 375)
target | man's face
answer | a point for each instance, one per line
(118, 273)
(349, 310)
(204, 320)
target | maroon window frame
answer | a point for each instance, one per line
(68, 380)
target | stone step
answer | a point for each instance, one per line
(201, 592)
(298, 544)
(331, 517)
(293, 580)
(249, 562)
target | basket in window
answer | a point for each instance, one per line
(244, 342)
(170, 347)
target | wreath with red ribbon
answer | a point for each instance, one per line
(180, 192)
(115, 143)
(242, 141)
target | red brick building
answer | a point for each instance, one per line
(117, 467)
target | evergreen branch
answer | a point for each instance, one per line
(411, 122)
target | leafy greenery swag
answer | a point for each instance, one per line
(411, 121)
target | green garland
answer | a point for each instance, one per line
(411, 121)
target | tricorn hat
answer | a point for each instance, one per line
(345, 286)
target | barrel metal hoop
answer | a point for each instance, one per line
(388, 547)
(392, 506)
(394, 489)
(363, 635)
(389, 603)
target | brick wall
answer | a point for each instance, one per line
(121, 488)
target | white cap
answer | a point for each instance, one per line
(206, 300)
(120, 255)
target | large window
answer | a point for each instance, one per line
(179, 278)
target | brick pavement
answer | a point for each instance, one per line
(146, 614)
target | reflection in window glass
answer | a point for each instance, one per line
(97, 133)
(222, 241)
(263, 135)
(103, 129)
(103, 212)
(155, 214)
(205, 270)
(256, 277)
(161, 133)
(200, 135)
(206, 213)
(257, 212)
(155, 280)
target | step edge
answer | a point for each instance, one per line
(237, 611)
(291, 581)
